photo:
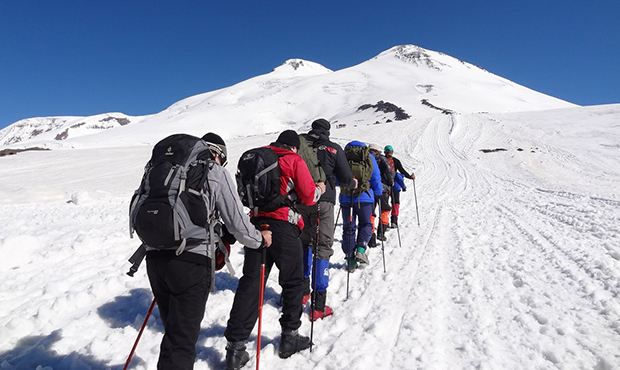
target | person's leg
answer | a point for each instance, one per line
(244, 311)
(395, 207)
(348, 230)
(287, 254)
(325, 251)
(188, 287)
(364, 232)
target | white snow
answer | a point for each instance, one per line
(515, 264)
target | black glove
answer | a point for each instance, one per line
(227, 237)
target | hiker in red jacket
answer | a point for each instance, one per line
(396, 167)
(285, 251)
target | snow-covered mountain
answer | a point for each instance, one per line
(42, 129)
(515, 263)
(415, 80)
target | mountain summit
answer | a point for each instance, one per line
(301, 67)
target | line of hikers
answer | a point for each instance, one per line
(187, 213)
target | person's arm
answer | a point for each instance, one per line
(399, 167)
(307, 191)
(230, 208)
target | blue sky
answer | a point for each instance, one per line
(82, 57)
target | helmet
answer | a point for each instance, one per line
(388, 148)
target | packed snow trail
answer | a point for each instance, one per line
(505, 271)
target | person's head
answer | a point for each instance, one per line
(217, 147)
(321, 126)
(376, 149)
(289, 139)
(388, 150)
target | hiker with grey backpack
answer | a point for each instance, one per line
(185, 212)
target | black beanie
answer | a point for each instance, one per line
(321, 124)
(290, 138)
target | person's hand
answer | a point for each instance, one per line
(412, 177)
(355, 183)
(321, 186)
(266, 238)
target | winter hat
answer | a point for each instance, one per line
(388, 148)
(375, 147)
(321, 124)
(290, 138)
(217, 146)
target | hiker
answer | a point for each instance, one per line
(285, 251)
(329, 158)
(383, 200)
(357, 203)
(181, 273)
(396, 167)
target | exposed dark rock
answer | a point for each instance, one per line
(387, 107)
(492, 150)
(519, 149)
(63, 135)
(36, 132)
(121, 121)
(429, 104)
(6, 152)
(78, 125)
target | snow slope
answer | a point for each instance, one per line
(515, 264)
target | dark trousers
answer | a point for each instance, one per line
(356, 218)
(181, 289)
(286, 252)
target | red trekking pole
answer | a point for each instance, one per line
(261, 298)
(133, 349)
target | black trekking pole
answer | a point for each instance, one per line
(336, 219)
(416, 203)
(261, 298)
(383, 230)
(135, 344)
(348, 269)
(314, 277)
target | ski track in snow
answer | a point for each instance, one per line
(503, 272)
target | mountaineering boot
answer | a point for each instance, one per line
(321, 310)
(291, 342)
(351, 263)
(394, 222)
(372, 243)
(381, 232)
(236, 355)
(361, 257)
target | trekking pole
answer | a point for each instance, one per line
(261, 297)
(133, 349)
(314, 277)
(348, 270)
(337, 216)
(383, 229)
(416, 203)
(398, 232)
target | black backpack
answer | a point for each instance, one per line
(258, 180)
(170, 209)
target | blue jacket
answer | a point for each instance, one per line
(375, 183)
(399, 182)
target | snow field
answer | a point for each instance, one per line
(515, 263)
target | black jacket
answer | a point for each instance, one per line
(387, 175)
(333, 161)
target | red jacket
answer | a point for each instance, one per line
(295, 177)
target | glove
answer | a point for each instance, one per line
(227, 237)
